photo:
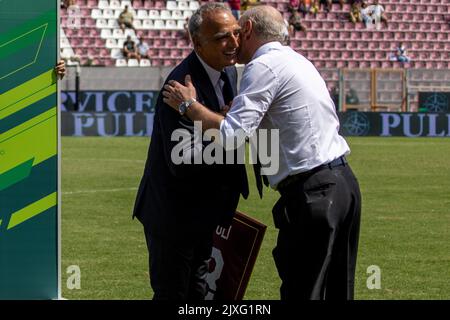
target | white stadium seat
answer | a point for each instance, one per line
(165, 14)
(112, 23)
(194, 5)
(159, 24)
(103, 4)
(124, 3)
(106, 34)
(147, 24)
(118, 34)
(153, 14)
(116, 53)
(171, 5)
(171, 24)
(121, 63)
(102, 23)
(133, 63)
(114, 4)
(183, 5)
(96, 14)
(111, 43)
(177, 14)
(145, 63)
(142, 14)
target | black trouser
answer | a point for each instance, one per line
(178, 265)
(318, 217)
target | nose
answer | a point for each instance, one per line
(235, 40)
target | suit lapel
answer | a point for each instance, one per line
(205, 90)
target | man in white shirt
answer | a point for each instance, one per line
(143, 48)
(318, 213)
(378, 14)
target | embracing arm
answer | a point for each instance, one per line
(175, 94)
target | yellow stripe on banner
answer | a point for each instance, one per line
(25, 102)
(32, 210)
(32, 139)
(27, 89)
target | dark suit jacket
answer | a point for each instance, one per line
(186, 198)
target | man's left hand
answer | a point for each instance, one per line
(175, 93)
(60, 69)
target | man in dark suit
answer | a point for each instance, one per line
(178, 224)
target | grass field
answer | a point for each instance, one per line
(405, 228)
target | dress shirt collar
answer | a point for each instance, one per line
(213, 74)
(274, 45)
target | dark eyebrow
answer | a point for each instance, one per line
(219, 35)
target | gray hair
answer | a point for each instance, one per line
(196, 19)
(265, 26)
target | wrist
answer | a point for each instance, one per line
(186, 105)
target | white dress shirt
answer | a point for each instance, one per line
(281, 89)
(217, 83)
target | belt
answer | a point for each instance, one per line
(341, 161)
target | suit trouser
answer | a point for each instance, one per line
(178, 265)
(318, 218)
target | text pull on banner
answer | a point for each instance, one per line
(28, 150)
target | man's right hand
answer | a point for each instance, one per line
(225, 110)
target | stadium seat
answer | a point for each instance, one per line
(133, 63)
(137, 23)
(116, 53)
(193, 5)
(178, 14)
(142, 14)
(153, 14)
(102, 23)
(171, 24)
(64, 42)
(148, 4)
(180, 24)
(171, 5)
(115, 4)
(96, 14)
(165, 14)
(124, 3)
(130, 32)
(106, 33)
(160, 4)
(118, 34)
(145, 63)
(103, 4)
(159, 24)
(92, 3)
(112, 23)
(187, 14)
(183, 5)
(121, 63)
(111, 43)
(147, 24)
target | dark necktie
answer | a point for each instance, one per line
(227, 90)
(259, 178)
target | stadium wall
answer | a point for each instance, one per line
(120, 102)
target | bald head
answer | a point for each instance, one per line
(268, 23)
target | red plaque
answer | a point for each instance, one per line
(234, 254)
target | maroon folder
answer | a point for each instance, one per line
(234, 254)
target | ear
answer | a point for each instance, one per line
(196, 43)
(247, 30)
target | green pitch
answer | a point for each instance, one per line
(405, 228)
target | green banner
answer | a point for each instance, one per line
(29, 247)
